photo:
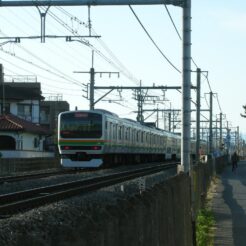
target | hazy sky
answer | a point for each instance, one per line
(218, 47)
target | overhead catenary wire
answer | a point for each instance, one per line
(87, 43)
(152, 40)
(29, 62)
(42, 61)
(176, 29)
(36, 65)
(119, 65)
(125, 70)
(218, 102)
(32, 73)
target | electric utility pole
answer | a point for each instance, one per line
(198, 108)
(2, 109)
(186, 88)
(210, 124)
(92, 82)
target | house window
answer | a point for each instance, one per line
(36, 143)
(24, 111)
(45, 115)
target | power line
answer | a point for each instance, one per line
(191, 58)
(119, 65)
(173, 22)
(218, 103)
(206, 76)
(38, 66)
(153, 41)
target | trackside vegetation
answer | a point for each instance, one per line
(204, 227)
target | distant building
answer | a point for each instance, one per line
(49, 111)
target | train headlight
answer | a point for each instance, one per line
(95, 147)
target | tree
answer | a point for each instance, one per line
(244, 115)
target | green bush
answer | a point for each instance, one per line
(204, 228)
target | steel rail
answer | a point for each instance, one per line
(10, 179)
(21, 201)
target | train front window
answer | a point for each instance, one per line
(81, 125)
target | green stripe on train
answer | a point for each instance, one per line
(81, 143)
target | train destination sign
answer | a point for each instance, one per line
(21, 3)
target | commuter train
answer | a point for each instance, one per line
(91, 138)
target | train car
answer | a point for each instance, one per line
(91, 138)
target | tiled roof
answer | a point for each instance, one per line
(13, 123)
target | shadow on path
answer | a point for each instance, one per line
(238, 215)
(230, 207)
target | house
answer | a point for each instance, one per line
(21, 134)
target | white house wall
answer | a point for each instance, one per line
(28, 142)
(25, 141)
(13, 108)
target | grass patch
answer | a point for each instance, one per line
(204, 227)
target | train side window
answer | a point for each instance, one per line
(126, 133)
(110, 130)
(162, 140)
(114, 131)
(122, 132)
(106, 129)
(139, 137)
(119, 132)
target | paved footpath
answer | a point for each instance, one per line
(229, 207)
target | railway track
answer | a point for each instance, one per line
(10, 179)
(24, 200)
